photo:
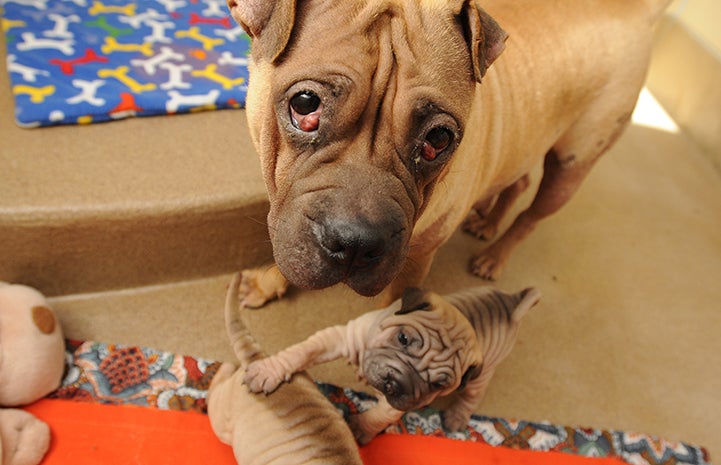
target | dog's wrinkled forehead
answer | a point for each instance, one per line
(418, 49)
(434, 319)
(372, 82)
(425, 53)
(426, 336)
(374, 40)
(386, 79)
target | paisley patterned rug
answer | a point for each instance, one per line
(128, 375)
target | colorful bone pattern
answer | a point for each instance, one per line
(86, 61)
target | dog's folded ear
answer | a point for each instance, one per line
(413, 299)
(473, 371)
(486, 40)
(268, 22)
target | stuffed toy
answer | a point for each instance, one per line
(32, 361)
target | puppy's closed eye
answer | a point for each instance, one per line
(403, 339)
(440, 383)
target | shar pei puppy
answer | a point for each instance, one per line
(420, 347)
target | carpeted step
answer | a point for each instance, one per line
(130, 203)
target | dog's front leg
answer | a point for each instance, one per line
(267, 374)
(456, 417)
(258, 286)
(485, 218)
(367, 425)
(562, 176)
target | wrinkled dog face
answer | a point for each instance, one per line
(356, 110)
(425, 350)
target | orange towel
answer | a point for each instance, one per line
(91, 434)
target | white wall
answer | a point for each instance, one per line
(703, 18)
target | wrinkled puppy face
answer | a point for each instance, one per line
(424, 350)
(356, 108)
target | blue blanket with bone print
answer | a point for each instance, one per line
(87, 61)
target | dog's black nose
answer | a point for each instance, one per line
(391, 387)
(352, 244)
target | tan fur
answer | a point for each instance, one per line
(295, 425)
(353, 201)
(449, 341)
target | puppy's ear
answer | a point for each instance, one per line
(473, 371)
(486, 40)
(413, 299)
(268, 22)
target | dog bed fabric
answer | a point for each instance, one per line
(152, 403)
(91, 433)
(87, 61)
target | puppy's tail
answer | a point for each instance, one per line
(244, 345)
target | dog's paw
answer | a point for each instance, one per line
(478, 226)
(454, 420)
(486, 266)
(261, 377)
(259, 286)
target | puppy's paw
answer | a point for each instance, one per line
(25, 438)
(260, 376)
(455, 420)
(477, 226)
(259, 286)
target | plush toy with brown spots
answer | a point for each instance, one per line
(32, 361)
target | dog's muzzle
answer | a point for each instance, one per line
(365, 255)
(356, 232)
(400, 383)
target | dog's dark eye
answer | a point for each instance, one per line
(305, 109)
(437, 140)
(304, 102)
(403, 339)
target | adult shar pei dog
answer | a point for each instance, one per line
(381, 124)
